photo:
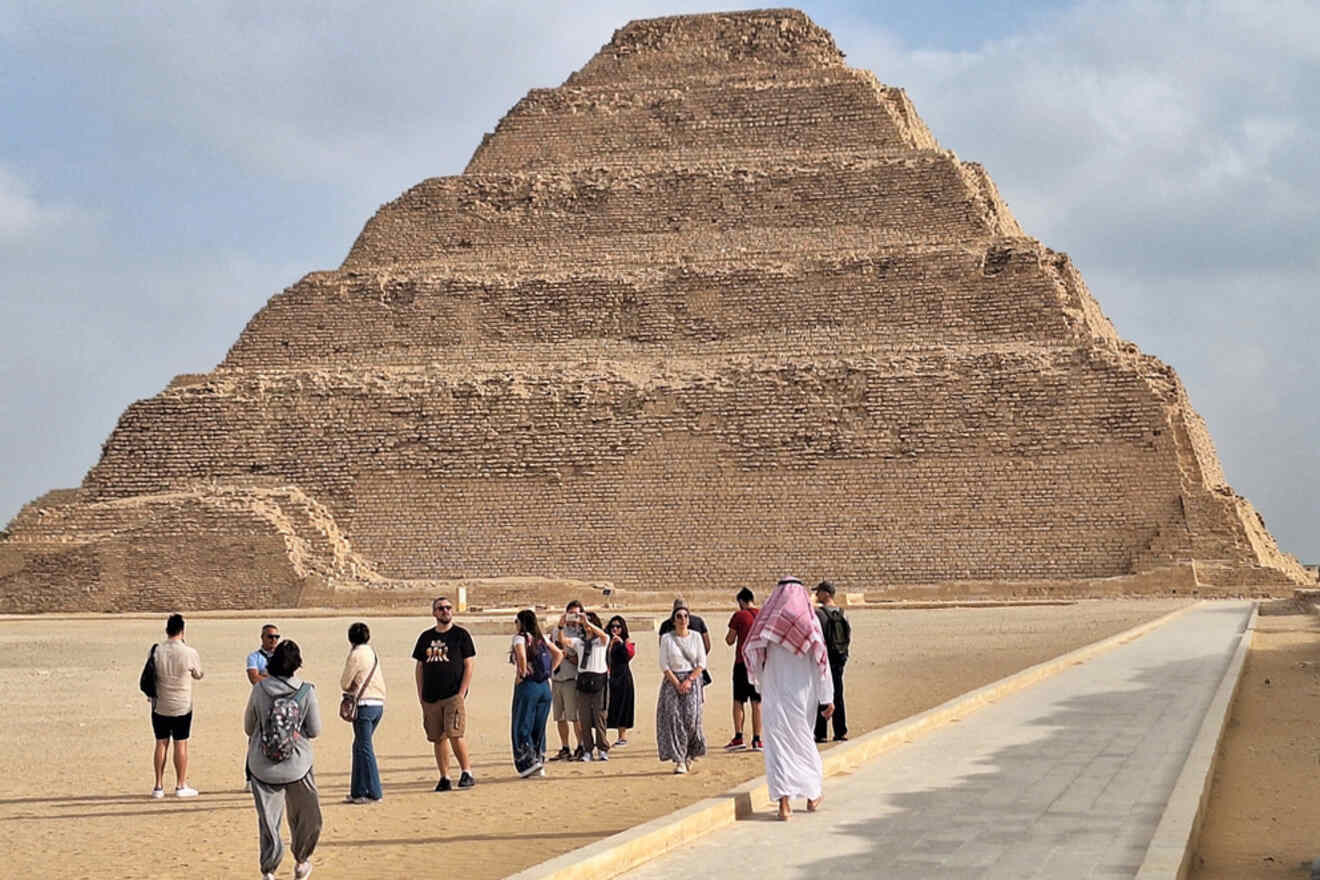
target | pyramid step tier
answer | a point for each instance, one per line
(1013, 291)
(831, 111)
(929, 195)
(729, 45)
(1001, 460)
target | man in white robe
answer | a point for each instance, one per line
(787, 662)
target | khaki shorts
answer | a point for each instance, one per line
(565, 699)
(445, 718)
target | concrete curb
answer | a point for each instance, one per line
(1169, 855)
(621, 852)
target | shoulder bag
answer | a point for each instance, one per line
(348, 703)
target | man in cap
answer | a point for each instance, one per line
(838, 636)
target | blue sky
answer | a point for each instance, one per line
(165, 171)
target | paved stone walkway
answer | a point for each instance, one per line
(1066, 779)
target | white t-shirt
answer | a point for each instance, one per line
(597, 662)
(518, 639)
(682, 654)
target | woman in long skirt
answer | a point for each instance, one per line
(620, 712)
(786, 660)
(678, 734)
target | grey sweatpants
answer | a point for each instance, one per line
(304, 818)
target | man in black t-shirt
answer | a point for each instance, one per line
(445, 661)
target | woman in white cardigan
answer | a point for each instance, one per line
(678, 732)
(361, 666)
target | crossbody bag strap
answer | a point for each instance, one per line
(692, 663)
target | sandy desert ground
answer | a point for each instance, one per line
(76, 770)
(1264, 806)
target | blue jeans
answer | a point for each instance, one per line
(366, 776)
(531, 708)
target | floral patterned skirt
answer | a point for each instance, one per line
(678, 733)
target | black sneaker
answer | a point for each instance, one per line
(528, 764)
(841, 738)
(444, 784)
(562, 755)
(577, 754)
(466, 780)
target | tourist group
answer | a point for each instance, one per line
(788, 665)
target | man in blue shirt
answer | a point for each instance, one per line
(256, 671)
(256, 661)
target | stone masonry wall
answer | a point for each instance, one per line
(1001, 294)
(838, 112)
(927, 196)
(755, 44)
(1026, 443)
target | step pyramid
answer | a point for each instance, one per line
(718, 306)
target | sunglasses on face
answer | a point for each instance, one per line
(275, 636)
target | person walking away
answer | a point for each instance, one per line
(838, 638)
(619, 715)
(281, 720)
(678, 734)
(740, 624)
(364, 680)
(786, 661)
(445, 658)
(255, 668)
(178, 665)
(592, 648)
(533, 660)
(563, 687)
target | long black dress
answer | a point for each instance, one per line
(620, 710)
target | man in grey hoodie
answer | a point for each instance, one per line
(290, 781)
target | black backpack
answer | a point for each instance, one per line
(538, 661)
(837, 631)
(147, 680)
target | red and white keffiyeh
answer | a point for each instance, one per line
(788, 620)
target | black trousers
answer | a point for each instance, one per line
(840, 716)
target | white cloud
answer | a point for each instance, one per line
(24, 217)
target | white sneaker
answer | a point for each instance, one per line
(541, 772)
(301, 870)
(185, 791)
(267, 875)
(602, 755)
(680, 768)
(158, 793)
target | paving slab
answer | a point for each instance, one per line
(1068, 778)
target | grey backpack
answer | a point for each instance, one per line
(283, 724)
